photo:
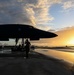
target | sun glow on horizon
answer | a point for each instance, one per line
(71, 41)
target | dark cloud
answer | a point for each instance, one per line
(33, 12)
(13, 11)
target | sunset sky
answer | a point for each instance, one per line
(65, 38)
(48, 15)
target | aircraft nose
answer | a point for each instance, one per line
(55, 35)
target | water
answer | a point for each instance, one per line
(65, 54)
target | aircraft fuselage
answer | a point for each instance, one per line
(23, 31)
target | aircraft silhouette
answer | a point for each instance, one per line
(15, 31)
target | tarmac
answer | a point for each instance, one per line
(36, 64)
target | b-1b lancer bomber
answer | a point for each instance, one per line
(23, 31)
(17, 31)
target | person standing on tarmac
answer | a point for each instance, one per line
(27, 47)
